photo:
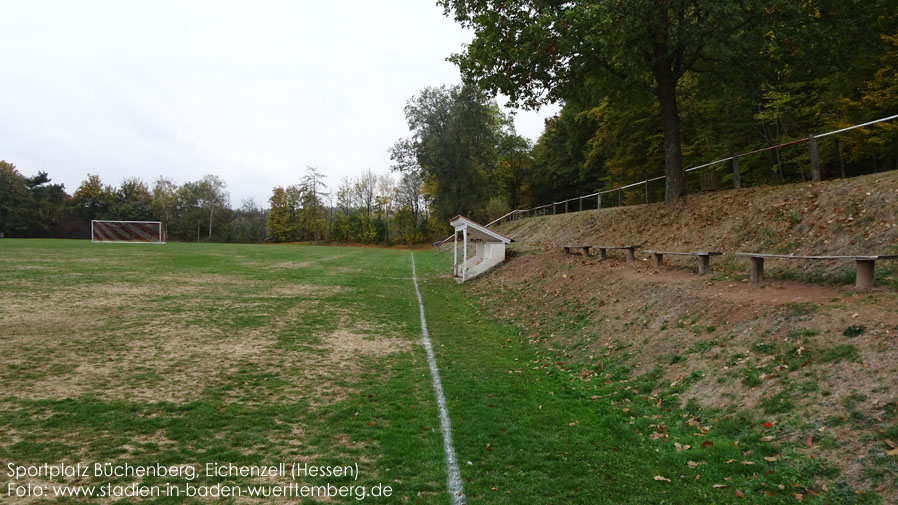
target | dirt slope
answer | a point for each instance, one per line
(842, 217)
(817, 361)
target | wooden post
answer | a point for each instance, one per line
(864, 279)
(659, 259)
(646, 191)
(757, 269)
(737, 174)
(565, 206)
(704, 263)
(841, 159)
(620, 198)
(455, 254)
(599, 203)
(815, 158)
(553, 208)
(603, 253)
(631, 254)
(465, 256)
(581, 204)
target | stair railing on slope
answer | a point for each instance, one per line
(439, 244)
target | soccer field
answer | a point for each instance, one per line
(188, 368)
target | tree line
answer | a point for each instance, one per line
(371, 208)
(196, 210)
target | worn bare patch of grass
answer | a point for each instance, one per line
(190, 354)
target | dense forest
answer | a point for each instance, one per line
(647, 88)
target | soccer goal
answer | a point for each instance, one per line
(146, 232)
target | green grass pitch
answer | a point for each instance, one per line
(188, 354)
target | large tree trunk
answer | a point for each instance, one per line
(666, 89)
(666, 66)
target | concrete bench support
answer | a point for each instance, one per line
(603, 250)
(704, 264)
(568, 249)
(757, 270)
(704, 258)
(865, 264)
(864, 278)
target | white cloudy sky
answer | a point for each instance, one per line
(252, 91)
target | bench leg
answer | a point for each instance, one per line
(757, 270)
(586, 251)
(567, 250)
(864, 280)
(659, 260)
(603, 253)
(704, 263)
(631, 255)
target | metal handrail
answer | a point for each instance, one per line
(691, 169)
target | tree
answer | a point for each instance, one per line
(878, 97)
(48, 206)
(537, 51)
(410, 206)
(283, 221)
(14, 200)
(212, 196)
(164, 199)
(346, 201)
(313, 188)
(366, 190)
(92, 199)
(408, 193)
(514, 169)
(386, 192)
(249, 222)
(132, 200)
(454, 145)
(562, 166)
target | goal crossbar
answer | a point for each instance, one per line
(127, 232)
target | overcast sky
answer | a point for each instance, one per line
(252, 91)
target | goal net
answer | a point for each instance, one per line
(147, 232)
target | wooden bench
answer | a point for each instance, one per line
(863, 279)
(704, 258)
(569, 248)
(603, 250)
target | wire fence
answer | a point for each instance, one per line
(616, 197)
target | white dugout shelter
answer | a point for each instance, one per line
(489, 249)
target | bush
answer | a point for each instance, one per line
(842, 352)
(853, 331)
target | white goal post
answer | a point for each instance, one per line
(133, 232)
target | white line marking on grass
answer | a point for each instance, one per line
(453, 477)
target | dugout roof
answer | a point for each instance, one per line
(478, 231)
